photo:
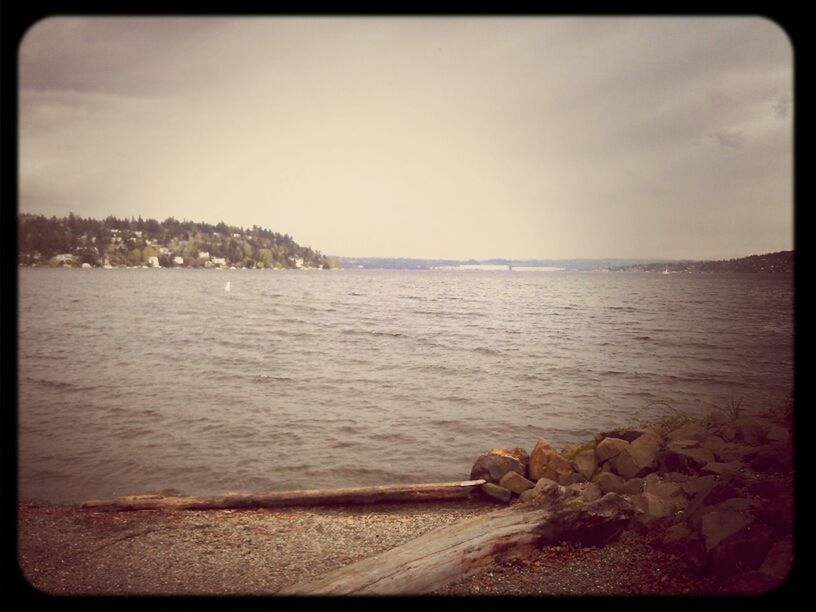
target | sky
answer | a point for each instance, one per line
(434, 137)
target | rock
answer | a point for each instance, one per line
(585, 463)
(722, 491)
(714, 444)
(675, 476)
(633, 486)
(767, 489)
(731, 452)
(547, 492)
(716, 418)
(693, 486)
(779, 560)
(676, 534)
(591, 492)
(638, 457)
(687, 460)
(653, 506)
(546, 462)
(777, 434)
(589, 524)
(752, 582)
(627, 435)
(746, 430)
(722, 469)
(742, 551)
(539, 458)
(688, 431)
(495, 463)
(515, 482)
(571, 478)
(609, 448)
(495, 492)
(779, 512)
(671, 493)
(609, 482)
(772, 457)
(719, 524)
(526, 496)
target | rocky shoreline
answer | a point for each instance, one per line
(717, 491)
(706, 507)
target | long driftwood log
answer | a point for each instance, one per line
(310, 497)
(448, 553)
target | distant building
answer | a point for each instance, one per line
(164, 251)
(299, 262)
(64, 258)
(219, 261)
(153, 262)
(137, 233)
(179, 261)
(204, 255)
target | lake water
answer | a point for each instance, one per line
(139, 381)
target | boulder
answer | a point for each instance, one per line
(777, 434)
(752, 582)
(515, 482)
(729, 451)
(609, 448)
(495, 463)
(686, 460)
(609, 482)
(571, 478)
(585, 463)
(633, 486)
(591, 492)
(653, 506)
(714, 444)
(716, 418)
(722, 491)
(779, 560)
(547, 492)
(779, 512)
(688, 431)
(588, 524)
(717, 525)
(638, 458)
(546, 462)
(722, 469)
(771, 457)
(495, 492)
(746, 430)
(670, 492)
(693, 486)
(620, 434)
(742, 551)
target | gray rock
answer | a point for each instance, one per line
(633, 486)
(689, 431)
(722, 469)
(495, 492)
(744, 550)
(585, 463)
(571, 478)
(495, 463)
(779, 560)
(719, 524)
(609, 482)
(746, 430)
(515, 482)
(608, 448)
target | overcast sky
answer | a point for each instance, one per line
(524, 137)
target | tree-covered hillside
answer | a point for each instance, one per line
(74, 241)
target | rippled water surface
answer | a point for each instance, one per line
(138, 381)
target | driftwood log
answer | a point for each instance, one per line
(311, 497)
(449, 553)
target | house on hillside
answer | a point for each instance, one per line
(179, 261)
(204, 255)
(219, 261)
(153, 262)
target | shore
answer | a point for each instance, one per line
(711, 516)
(65, 550)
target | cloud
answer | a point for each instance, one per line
(732, 139)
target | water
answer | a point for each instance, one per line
(138, 381)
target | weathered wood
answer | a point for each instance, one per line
(309, 497)
(449, 553)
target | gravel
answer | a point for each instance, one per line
(66, 550)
